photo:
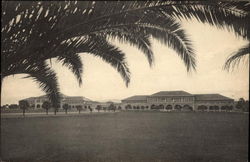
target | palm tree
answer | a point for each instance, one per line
(90, 109)
(66, 107)
(23, 104)
(79, 108)
(76, 27)
(46, 105)
(112, 107)
(98, 107)
(56, 107)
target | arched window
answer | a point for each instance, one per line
(169, 107)
(202, 108)
(161, 107)
(187, 107)
(223, 107)
(177, 107)
(230, 107)
(153, 107)
(216, 108)
(211, 107)
(128, 107)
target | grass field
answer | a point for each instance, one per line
(127, 136)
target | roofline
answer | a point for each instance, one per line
(228, 98)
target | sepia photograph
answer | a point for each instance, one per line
(125, 81)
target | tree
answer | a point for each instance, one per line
(23, 104)
(90, 109)
(56, 107)
(98, 107)
(79, 108)
(128, 107)
(242, 105)
(246, 109)
(13, 106)
(75, 27)
(46, 105)
(112, 107)
(66, 107)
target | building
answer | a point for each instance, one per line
(178, 100)
(72, 101)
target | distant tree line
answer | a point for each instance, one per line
(241, 105)
(24, 106)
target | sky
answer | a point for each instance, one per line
(102, 83)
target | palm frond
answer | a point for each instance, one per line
(100, 47)
(74, 63)
(110, 54)
(126, 35)
(160, 26)
(236, 57)
(174, 37)
(35, 31)
(179, 42)
(47, 80)
(230, 15)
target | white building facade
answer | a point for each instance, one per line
(72, 101)
(178, 100)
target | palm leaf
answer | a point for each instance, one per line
(74, 63)
(220, 14)
(126, 35)
(47, 80)
(236, 57)
(100, 47)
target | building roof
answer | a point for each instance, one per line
(30, 98)
(63, 96)
(171, 93)
(76, 98)
(210, 97)
(137, 97)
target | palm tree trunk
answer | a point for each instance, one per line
(23, 112)
(55, 112)
(79, 111)
(66, 111)
(47, 111)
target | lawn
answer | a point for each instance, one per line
(127, 136)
